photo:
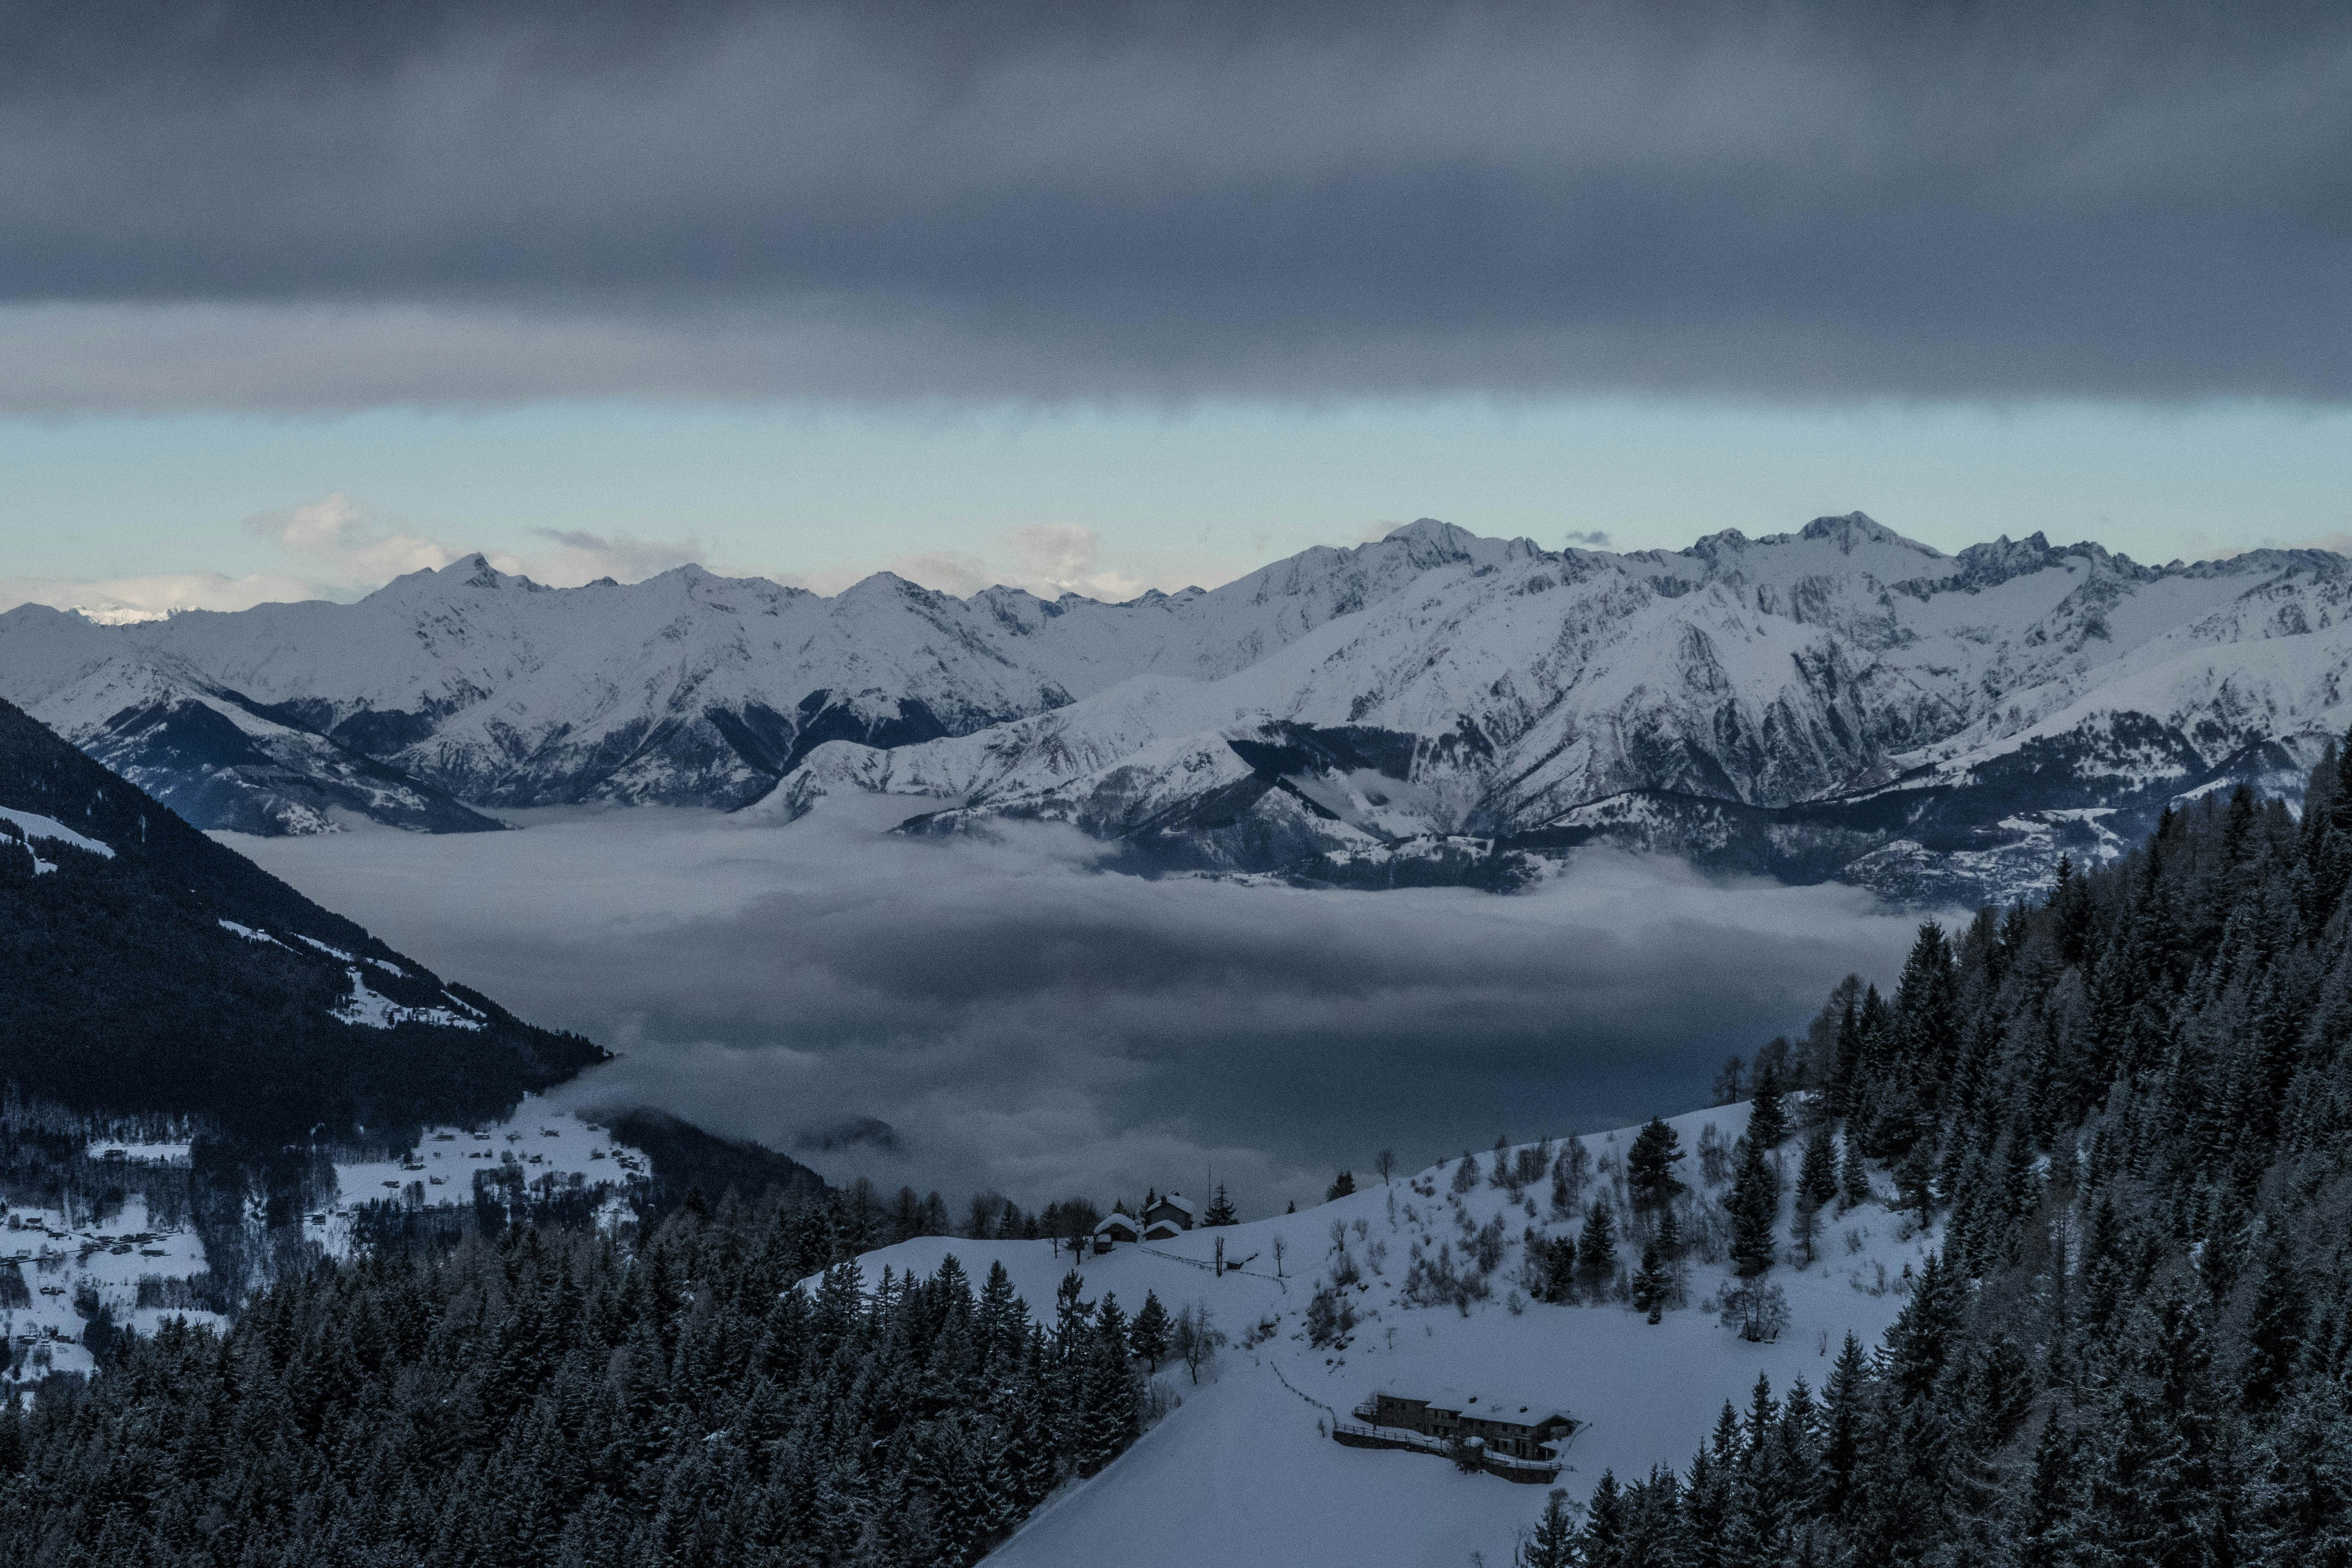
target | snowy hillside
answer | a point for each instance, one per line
(1839, 702)
(1246, 1460)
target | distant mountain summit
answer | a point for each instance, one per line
(1838, 701)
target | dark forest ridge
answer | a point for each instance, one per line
(144, 968)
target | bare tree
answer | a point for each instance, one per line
(1385, 1163)
(1196, 1339)
(1280, 1247)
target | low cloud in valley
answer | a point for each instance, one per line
(1028, 1023)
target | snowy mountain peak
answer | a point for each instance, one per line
(473, 571)
(1346, 701)
(1855, 529)
(1429, 531)
(1428, 542)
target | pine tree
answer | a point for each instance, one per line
(1652, 1285)
(2048, 1531)
(1342, 1185)
(1113, 1415)
(1670, 1234)
(1846, 1065)
(1754, 1206)
(1221, 1209)
(1560, 1270)
(1845, 1421)
(1148, 1339)
(1596, 1254)
(1465, 1174)
(1920, 1345)
(1552, 1543)
(1817, 1174)
(1767, 1117)
(1853, 1176)
(1650, 1165)
(1604, 1522)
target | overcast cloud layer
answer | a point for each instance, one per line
(311, 206)
(1029, 1024)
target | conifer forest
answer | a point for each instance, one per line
(539, 1396)
(2130, 1110)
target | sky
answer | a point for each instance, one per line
(1025, 1026)
(1107, 297)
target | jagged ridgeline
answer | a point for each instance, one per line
(144, 968)
(2130, 1112)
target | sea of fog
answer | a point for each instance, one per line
(1029, 1024)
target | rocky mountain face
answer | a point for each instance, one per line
(1434, 706)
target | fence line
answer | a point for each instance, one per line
(1211, 1266)
(1527, 1472)
(1302, 1394)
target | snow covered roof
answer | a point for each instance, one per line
(1492, 1405)
(1177, 1201)
(1115, 1221)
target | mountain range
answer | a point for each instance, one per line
(1837, 702)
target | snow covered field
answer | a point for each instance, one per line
(548, 1148)
(70, 1263)
(1243, 1472)
(60, 1260)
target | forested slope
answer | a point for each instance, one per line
(554, 1399)
(2130, 1112)
(149, 969)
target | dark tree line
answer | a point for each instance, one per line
(2129, 1108)
(550, 1396)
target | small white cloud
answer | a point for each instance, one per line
(1055, 558)
(353, 544)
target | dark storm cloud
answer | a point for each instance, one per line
(1025, 1024)
(1172, 201)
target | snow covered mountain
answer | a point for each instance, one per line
(1836, 703)
(146, 969)
(1434, 706)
